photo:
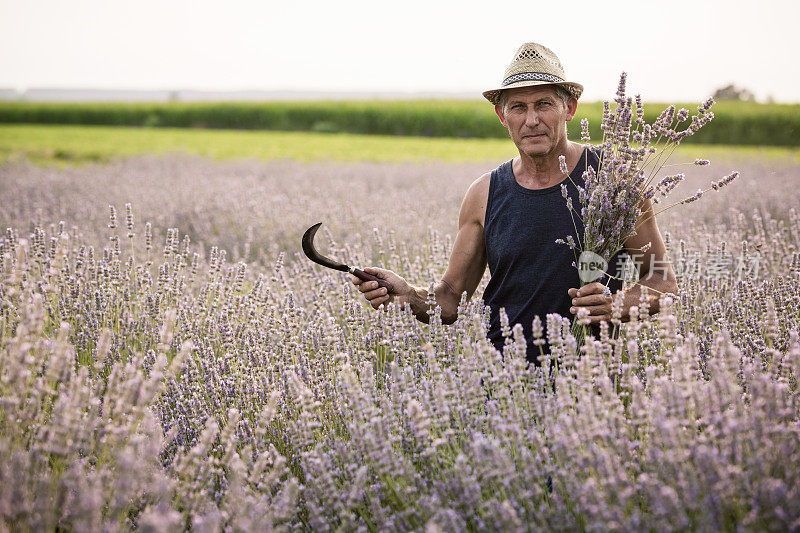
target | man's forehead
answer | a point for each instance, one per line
(536, 91)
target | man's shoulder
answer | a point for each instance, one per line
(483, 180)
(474, 205)
(480, 187)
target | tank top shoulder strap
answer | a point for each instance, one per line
(498, 183)
(593, 157)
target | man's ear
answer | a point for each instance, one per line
(572, 106)
(500, 114)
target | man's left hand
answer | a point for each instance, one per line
(592, 297)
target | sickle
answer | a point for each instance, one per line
(318, 258)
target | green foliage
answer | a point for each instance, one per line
(68, 145)
(57, 145)
(742, 123)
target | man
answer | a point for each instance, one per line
(511, 217)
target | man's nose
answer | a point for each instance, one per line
(531, 118)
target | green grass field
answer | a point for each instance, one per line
(76, 144)
(739, 123)
(70, 145)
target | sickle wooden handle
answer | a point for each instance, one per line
(363, 276)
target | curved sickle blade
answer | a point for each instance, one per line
(314, 255)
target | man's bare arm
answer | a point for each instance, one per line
(468, 258)
(655, 270)
(464, 270)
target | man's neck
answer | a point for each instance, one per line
(542, 172)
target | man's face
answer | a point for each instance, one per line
(536, 119)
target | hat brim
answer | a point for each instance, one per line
(493, 95)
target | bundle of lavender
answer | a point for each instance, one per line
(632, 154)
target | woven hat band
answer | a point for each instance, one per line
(531, 76)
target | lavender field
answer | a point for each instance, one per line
(177, 363)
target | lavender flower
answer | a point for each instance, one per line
(562, 164)
(585, 136)
(199, 388)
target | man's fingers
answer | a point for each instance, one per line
(596, 304)
(377, 272)
(594, 310)
(376, 293)
(377, 302)
(594, 287)
(592, 299)
(367, 286)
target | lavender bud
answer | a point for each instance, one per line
(129, 220)
(562, 164)
(585, 137)
(113, 217)
(621, 88)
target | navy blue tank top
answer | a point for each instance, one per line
(530, 273)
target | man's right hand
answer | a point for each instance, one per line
(377, 296)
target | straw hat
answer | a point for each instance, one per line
(533, 64)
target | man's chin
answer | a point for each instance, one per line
(537, 146)
(536, 151)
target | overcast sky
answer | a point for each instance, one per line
(673, 50)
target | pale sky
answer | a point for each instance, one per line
(674, 50)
